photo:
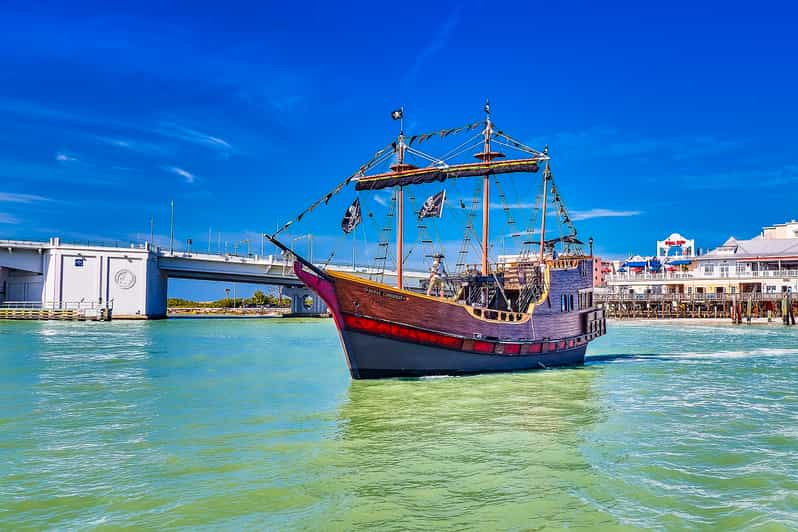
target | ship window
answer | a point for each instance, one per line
(562, 303)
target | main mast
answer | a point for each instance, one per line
(486, 157)
(400, 166)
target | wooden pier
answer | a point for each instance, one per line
(738, 308)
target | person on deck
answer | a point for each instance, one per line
(436, 274)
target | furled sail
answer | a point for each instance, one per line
(431, 174)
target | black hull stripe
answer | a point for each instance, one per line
(372, 357)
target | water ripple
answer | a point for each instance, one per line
(256, 424)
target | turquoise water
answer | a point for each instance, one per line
(255, 424)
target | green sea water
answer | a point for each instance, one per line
(255, 424)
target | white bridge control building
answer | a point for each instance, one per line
(132, 282)
(126, 280)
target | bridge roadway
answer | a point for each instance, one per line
(133, 280)
(271, 269)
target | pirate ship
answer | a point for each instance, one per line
(529, 310)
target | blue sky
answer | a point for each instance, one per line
(660, 118)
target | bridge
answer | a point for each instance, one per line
(132, 281)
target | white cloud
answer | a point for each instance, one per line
(64, 158)
(7, 219)
(439, 41)
(601, 213)
(520, 205)
(196, 137)
(12, 197)
(188, 176)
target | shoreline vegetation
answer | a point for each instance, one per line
(259, 304)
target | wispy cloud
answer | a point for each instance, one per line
(439, 41)
(743, 179)
(137, 146)
(612, 142)
(64, 158)
(193, 136)
(188, 176)
(601, 213)
(13, 197)
(8, 219)
(517, 205)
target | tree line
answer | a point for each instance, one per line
(258, 299)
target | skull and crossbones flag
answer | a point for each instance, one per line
(433, 206)
(352, 217)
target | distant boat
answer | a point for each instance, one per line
(532, 310)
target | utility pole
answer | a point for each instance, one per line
(172, 230)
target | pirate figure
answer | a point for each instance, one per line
(436, 274)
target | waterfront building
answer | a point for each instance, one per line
(767, 263)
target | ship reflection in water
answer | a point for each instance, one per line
(501, 451)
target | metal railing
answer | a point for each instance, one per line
(688, 298)
(57, 305)
(675, 276)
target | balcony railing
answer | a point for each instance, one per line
(612, 297)
(675, 276)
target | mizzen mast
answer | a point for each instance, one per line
(546, 178)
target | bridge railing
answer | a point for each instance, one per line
(81, 306)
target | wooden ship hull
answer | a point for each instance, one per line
(390, 332)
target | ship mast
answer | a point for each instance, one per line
(486, 156)
(400, 166)
(486, 194)
(546, 177)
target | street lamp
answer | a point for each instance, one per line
(309, 236)
(590, 243)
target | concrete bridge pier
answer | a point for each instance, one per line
(304, 302)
